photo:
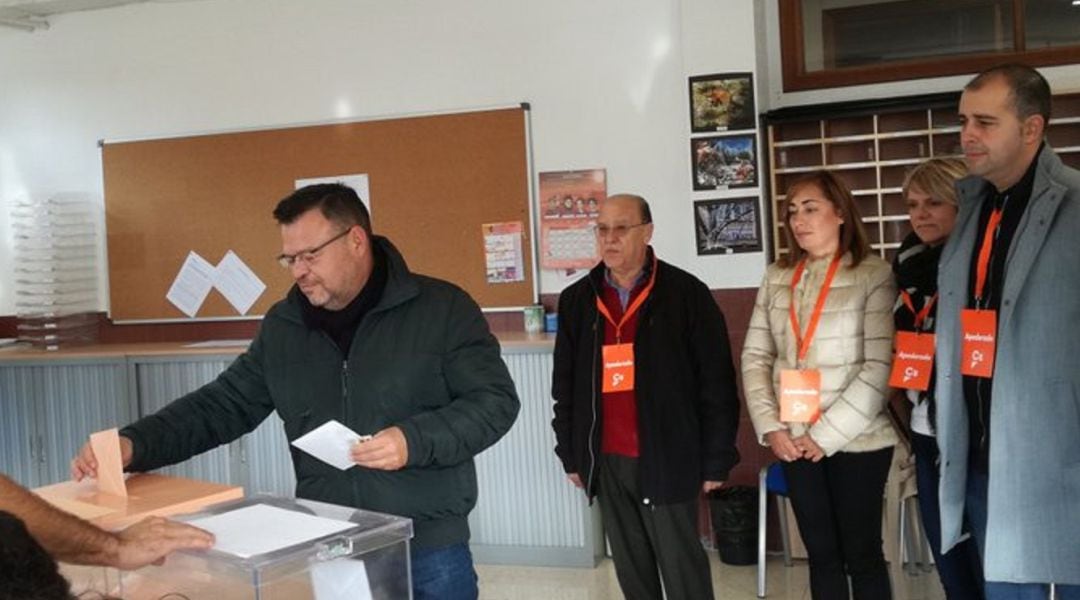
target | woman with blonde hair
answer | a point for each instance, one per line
(930, 193)
(815, 368)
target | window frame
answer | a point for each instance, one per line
(796, 78)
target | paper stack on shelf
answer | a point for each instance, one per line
(56, 290)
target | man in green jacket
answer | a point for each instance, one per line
(360, 339)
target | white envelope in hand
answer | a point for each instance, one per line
(331, 443)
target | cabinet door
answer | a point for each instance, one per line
(158, 384)
(526, 512)
(20, 389)
(266, 461)
(78, 400)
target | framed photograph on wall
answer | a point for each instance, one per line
(722, 102)
(722, 162)
(728, 225)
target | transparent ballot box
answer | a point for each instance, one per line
(91, 582)
(284, 549)
(144, 495)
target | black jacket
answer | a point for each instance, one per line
(422, 359)
(687, 401)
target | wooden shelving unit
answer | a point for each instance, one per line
(872, 145)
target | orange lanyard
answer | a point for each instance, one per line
(921, 315)
(630, 310)
(984, 254)
(803, 342)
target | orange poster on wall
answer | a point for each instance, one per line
(569, 204)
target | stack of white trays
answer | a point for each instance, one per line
(56, 274)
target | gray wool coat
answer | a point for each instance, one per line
(1033, 527)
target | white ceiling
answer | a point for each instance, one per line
(30, 15)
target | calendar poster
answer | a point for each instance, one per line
(570, 202)
(502, 252)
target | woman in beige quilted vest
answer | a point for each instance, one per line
(815, 369)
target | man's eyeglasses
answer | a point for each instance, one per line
(616, 231)
(308, 256)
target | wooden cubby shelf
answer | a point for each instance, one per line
(872, 145)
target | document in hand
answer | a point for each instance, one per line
(331, 443)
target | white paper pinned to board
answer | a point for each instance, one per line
(192, 284)
(237, 282)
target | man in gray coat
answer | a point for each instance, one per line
(1008, 344)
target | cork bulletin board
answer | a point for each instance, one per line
(434, 181)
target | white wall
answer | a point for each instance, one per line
(606, 80)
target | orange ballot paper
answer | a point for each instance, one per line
(110, 469)
(111, 502)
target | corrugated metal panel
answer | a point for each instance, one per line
(19, 390)
(159, 383)
(259, 461)
(79, 399)
(267, 460)
(525, 499)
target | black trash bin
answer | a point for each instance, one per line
(734, 512)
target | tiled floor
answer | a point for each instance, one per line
(729, 583)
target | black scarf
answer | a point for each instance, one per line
(916, 269)
(341, 325)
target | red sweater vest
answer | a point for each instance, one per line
(619, 432)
